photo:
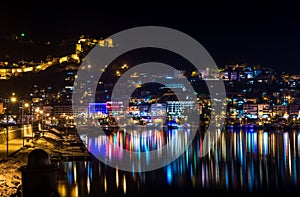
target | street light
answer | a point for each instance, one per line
(25, 105)
(13, 99)
(41, 118)
(32, 123)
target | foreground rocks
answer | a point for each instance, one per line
(10, 174)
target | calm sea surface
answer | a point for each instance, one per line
(242, 161)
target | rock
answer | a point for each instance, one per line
(16, 183)
(7, 167)
(16, 176)
(2, 177)
(10, 184)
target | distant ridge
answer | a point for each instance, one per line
(53, 76)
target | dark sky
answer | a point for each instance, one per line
(232, 31)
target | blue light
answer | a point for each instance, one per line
(251, 176)
(254, 137)
(250, 141)
(90, 171)
(132, 168)
(265, 146)
(70, 177)
(169, 175)
(226, 177)
(147, 157)
(191, 171)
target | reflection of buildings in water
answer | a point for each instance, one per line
(138, 141)
(249, 160)
(244, 160)
(92, 178)
(256, 160)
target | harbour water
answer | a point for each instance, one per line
(244, 161)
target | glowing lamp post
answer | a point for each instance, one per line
(13, 99)
(24, 105)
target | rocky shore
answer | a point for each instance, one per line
(10, 174)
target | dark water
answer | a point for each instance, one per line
(241, 162)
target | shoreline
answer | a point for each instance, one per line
(10, 173)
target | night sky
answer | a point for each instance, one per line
(232, 32)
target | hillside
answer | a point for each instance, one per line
(53, 76)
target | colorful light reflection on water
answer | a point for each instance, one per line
(242, 161)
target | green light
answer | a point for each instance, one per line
(22, 34)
